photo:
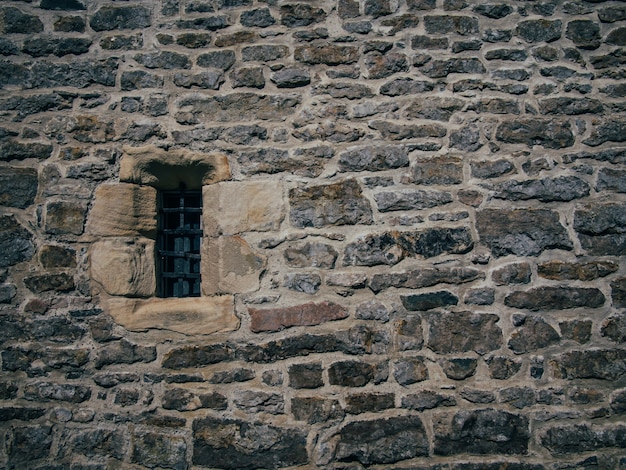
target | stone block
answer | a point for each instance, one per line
(427, 400)
(278, 318)
(157, 449)
(555, 298)
(123, 210)
(327, 54)
(15, 242)
(14, 20)
(369, 402)
(583, 437)
(46, 391)
(18, 187)
(236, 207)
(428, 301)
(65, 217)
(541, 30)
(463, 332)
(614, 328)
(109, 18)
(165, 170)
(603, 364)
(315, 410)
(306, 376)
(59, 282)
(181, 399)
(191, 316)
(552, 134)
(514, 273)
(28, 443)
(535, 333)
(410, 370)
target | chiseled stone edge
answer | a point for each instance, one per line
(190, 316)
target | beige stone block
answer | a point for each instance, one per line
(124, 266)
(229, 266)
(123, 210)
(236, 207)
(167, 169)
(190, 316)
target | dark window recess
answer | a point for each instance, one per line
(178, 242)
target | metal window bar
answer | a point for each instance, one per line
(178, 243)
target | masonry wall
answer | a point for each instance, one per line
(414, 234)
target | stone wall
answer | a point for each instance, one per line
(414, 234)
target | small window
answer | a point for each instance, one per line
(178, 243)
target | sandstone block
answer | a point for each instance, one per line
(123, 210)
(124, 266)
(275, 319)
(191, 316)
(165, 170)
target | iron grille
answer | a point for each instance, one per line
(179, 239)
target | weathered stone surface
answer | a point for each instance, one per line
(611, 179)
(158, 449)
(384, 65)
(503, 367)
(421, 302)
(184, 400)
(463, 332)
(306, 376)
(300, 14)
(356, 373)
(327, 54)
(607, 130)
(109, 18)
(553, 134)
(459, 368)
(192, 316)
(570, 106)
(315, 410)
(557, 297)
(618, 292)
(427, 400)
(123, 210)
(539, 30)
(533, 334)
(427, 42)
(585, 34)
(373, 158)
(393, 131)
(115, 42)
(601, 228)
(575, 438)
(124, 352)
(98, 442)
(124, 266)
(427, 277)
(28, 443)
(445, 24)
(410, 370)
(438, 170)
(46, 391)
(479, 296)
(405, 86)
(291, 78)
(577, 330)
(318, 255)
(236, 107)
(14, 20)
(15, 242)
(234, 444)
(13, 150)
(260, 18)
(485, 431)
(614, 328)
(40, 47)
(372, 310)
(64, 217)
(222, 60)
(582, 271)
(382, 441)
(369, 402)
(515, 273)
(345, 90)
(390, 248)
(275, 319)
(339, 203)
(604, 364)
(59, 282)
(263, 53)
(439, 109)
(254, 402)
(523, 232)
(564, 188)
(138, 79)
(413, 200)
(443, 68)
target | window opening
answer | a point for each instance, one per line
(178, 243)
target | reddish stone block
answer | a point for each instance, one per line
(276, 319)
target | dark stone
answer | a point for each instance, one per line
(8, 391)
(390, 248)
(240, 37)
(442, 68)
(138, 79)
(570, 106)
(612, 14)
(259, 18)
(603, 364)
(564, 188)
(373, 158)
(607, 130)
(359, 27)
(577, 330)
(208, 80)
(534, 334)
(299, 14)
(15, 242)
(469, 45)
(306, 375)
(382, 441)
(555, 298)
(46, 391)
(18, 187)
(410, 335)
(458, 332)
(263, 53)
(582, 271)
(291, 78)
(317, 255)
(519, 397)
(478, 396)
(345, 90)
(497, 35)
(523, 232)
(503, 367)
(27, 444)
(75, 74)
(558, 72)
(612, 180)
(420, 5)
(466, 139)
(413, 200)
(65, 5)
(421, 302)
(420, 43)
(427, 400)
(108, 380)
(539, 30)
(491, 168)
(327, 54)
(39, 47)
(577, 438)
(515, 55)
(383, 65)
(109, 18)
(234, 444)
(339, 203)
(121, 42)
(479, 296)
(154, 449)
(393, 131)
(38, 104)
(193, 40)
(315, 410)
(552, 134)
(97, 442)
(166, 60)
(233, 375)
(410, 370)
(20, 413)
(405, 86)
(210, 23)
(515, 273)
(485, 431)
(459, 368)
(181, 399)
(369, 402)
(438, 170)
(222, 60)
(351, 373)
(378, 8)
(248, 77)
(372, 310)
(8, 48)
(602, 228)
(518, 75)
(439, 109)
(13, 150)
(274, 161)
(426, 277)
(585, 34)
(614, 328)
(14, 20)
(446, 24)
(495, 11)
(56, 329)
(618, 292)
(124, 352)
(303, 282)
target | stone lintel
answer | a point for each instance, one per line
(190, 316)
(167, 169)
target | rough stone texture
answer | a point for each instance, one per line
(275, 319)
(561, 297)
(463, 332)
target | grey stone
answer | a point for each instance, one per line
(555, 298)
(138, 79)
(382, 441)
(612, 14)
(421, 302)
(124, 352)
(156, 449)
(405, 86)
(463, 332)
(59, 282)
(427, 400)
(604, 364)
(339, 203)
(97, 442)
(427, 42)
(503, 367)
(121, 42)
(18, 187)
(256, 402)
(210, 23)
(307, 376)
(369, 402)
(248, 77)
(518, 75)
(534, 334)
(40, 47)
(109, 18)
(165, 60)
(77, 74)
(425, 277)
(438, 170)
(327, 54)
(583, 437)
(524, 232)
(614, 328)
(577, 330)
(497, 35)
(607, 130)
(583, 271)
(570, 106)
(514, 273)
(14, 150)
(372, 310)
(300, 14)
(515, 55)
(46, 391)
(611, 179)
(69, 24)
(373, 158)
(263, 53)
(477, 396)
(495, 11)
(28, 443)
(245, 135)
(445, 24)
(14, 20)
(315, 410)
(319, 255)
(519, 397)
(439, 109)
(345, 90)
(564, 188)
(459, 368)
(442, 68)
(209, 79)
(233, 375)
(491, 168)
(15, 242)
(260, 18)
(291, 78)
(193, 40)
(479, 296)
(185, 400)
(585, 34)
(384, 65)
(222, 60)
(484, 431)
(601, 228)
(393, 131)
(411, 200)
(303, 282)
(539, 30)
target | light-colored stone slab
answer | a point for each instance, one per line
(229, 266)
(167, 169)
(123, 210)
(124, 266)
(190, 316)
(237, 207)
